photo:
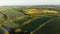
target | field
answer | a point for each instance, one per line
(41, 23)
(53, 27)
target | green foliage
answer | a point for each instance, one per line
(34, 24)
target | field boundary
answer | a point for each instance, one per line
(39, 27)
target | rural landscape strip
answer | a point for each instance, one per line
(34, 24)
(39, 27)
(28, 21)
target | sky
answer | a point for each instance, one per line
(29, 2)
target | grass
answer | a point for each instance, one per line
(34, 24)
(10, 23)
(28, 21)
(52, 27)
(28, 24)
(42, 25)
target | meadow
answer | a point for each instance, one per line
(34, 23)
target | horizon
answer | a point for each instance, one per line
(28, 2)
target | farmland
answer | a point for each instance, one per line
(30, 22)
(53, 27)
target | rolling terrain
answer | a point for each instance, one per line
(41, 23)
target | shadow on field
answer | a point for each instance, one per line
(52, 27)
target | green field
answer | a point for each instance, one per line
(53, 27)
(35, 23)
